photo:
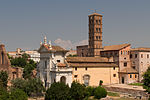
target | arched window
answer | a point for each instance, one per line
(86, 79)
(63, 79)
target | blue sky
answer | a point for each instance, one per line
(66, 21)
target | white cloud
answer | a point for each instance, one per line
(67, 44)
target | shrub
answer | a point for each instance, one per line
(78, 91)
(30, 86)
(3, 94)
(90, 90)
(100, 92)
(57, 91)
(18, 95)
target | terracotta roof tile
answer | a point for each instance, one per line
(128, 70)
(115, 47)
(54, 48)
(96, 14)
(61, 65)
(87, 59)
(92, 65)
(141, 49)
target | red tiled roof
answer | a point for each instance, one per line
(115, 47)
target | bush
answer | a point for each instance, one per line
(18, 95)
(100, 93)
(90, 90)
(78, 91)
(3, 94)
(30, 86)
(57, 91)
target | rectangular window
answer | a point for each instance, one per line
(141, 55)
(135, 76)
(114, 68)
(135, 55)
(147, 55)
(130, 76)
(86, 68)
(114, 75)
(76, 68)
(130, 55)
(125, 64)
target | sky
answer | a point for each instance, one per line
(65, 22)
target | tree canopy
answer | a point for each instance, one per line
(146, 80)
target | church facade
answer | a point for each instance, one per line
(52, 66)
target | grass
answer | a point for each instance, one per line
(136, 84)
(113, 94)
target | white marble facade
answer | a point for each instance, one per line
(52, 66)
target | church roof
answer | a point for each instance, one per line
(128, 70)
(115, 47)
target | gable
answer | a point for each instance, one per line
(42, 49)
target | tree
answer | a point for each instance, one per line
(19, 62)
(4, 78)
(18, 94)
(3, 94)
(57, 91)
(30, 86)
(77, 91)
(100, 92)
(27, 72)
(146, 80)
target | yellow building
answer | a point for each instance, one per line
(90, 70)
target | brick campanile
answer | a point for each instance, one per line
(95, 34)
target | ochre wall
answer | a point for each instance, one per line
(96, 74)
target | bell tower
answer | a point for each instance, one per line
(95, 34)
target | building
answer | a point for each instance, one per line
(53, 66)
(33, 54)
(82, 51)
(95, 37)
(121, 56)
(140, 60)
(90, 70)
(5, 65)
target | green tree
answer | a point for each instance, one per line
(30, 86)
(18, 94)
(146, 80)
(25, 56)
(27, 72)
(4, 95)
(19, 62)
(77, 91)
(57, 91)
(19, 84)
(100, 92)
(4, 78)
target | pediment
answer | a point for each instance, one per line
(42, 49)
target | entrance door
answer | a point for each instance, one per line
(122, 80)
